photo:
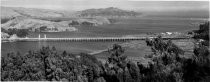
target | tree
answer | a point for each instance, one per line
(203, 33)
(166, 62)
(18, 32)
(117, 58)
(118, 68)
(198, 67)
(74, 23)
(134, 71)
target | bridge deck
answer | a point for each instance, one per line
(87, 39)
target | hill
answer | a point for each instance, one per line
(31, 18)
(36, 24)
(51, 20)
(9, 12)
(107, 12)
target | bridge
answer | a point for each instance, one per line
(88, 39)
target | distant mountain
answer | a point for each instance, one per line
(33, 19)
(107, 12)
(26, 18)
(35, 24)
(9, 12)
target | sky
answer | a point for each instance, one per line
(149, 5)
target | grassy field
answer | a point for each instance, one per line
(136, 50)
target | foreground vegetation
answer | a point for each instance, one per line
(19, 32)
(203, 33)
(168, 64)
